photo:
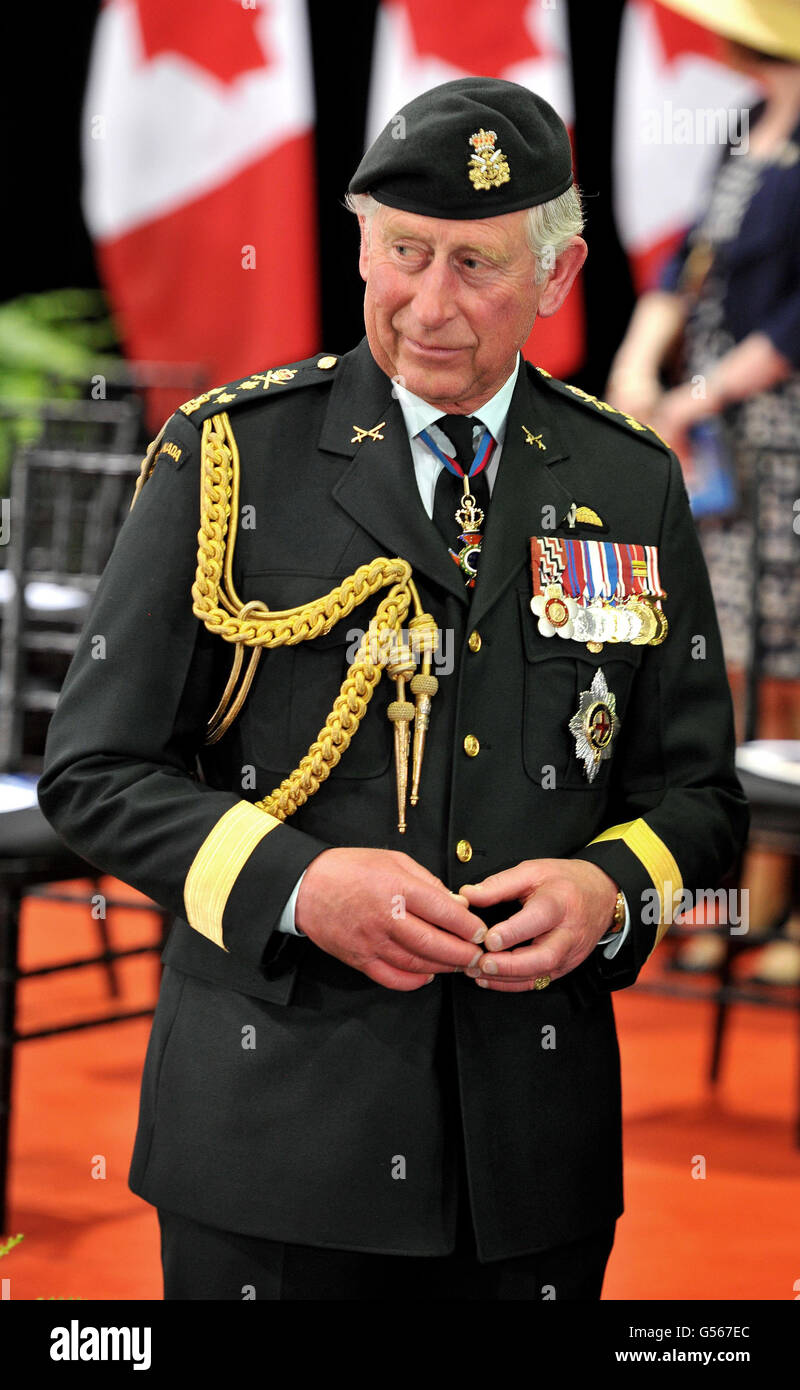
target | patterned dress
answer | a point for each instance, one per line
(763, 434)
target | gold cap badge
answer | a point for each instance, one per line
(488, 167)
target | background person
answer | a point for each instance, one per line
(723, 331)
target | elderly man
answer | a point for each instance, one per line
(368, 1077)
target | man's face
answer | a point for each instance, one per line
(448, 303)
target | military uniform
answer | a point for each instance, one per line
(294, 1131)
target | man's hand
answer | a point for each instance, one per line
(567, 905)
(381, 912)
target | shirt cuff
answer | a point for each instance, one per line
(613, 943)
(286, 921)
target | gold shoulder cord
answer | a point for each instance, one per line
(217, 604)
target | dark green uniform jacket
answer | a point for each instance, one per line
(295, 1131)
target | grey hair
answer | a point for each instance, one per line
(549, 227)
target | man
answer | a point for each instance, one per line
(368, 1078)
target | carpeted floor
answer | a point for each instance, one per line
(733, 1234)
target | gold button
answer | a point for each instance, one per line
(471, 746)
(464, 851)
(325, 363)
(474, 641)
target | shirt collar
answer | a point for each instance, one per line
(419, 414)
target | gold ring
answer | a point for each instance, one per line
(541, 982)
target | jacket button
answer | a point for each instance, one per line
(471, 746)
(325, 363)
(474, 641)
(464, 851)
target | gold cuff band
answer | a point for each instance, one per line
(218, 863)
(656, 858)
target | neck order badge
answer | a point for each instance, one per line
(469, 515)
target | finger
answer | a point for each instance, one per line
(426, 877)
(541, 913)
(515, 882)
(438, 906)
(390, 978)
(412, 866)
(527, 962)
(414, 964)
(421, 939)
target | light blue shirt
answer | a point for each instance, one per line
(420, 415)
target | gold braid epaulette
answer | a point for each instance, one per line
(219, 607)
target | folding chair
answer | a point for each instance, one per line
(66, 509)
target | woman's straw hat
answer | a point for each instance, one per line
(771, 26)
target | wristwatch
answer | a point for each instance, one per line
(617, 921)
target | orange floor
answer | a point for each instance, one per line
(733, 1235)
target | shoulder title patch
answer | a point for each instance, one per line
(172, 449)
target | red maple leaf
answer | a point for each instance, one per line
(473, 37)
(680, 35)
(216, 35)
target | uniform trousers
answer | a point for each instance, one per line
(202, 1262)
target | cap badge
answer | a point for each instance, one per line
(488, 167)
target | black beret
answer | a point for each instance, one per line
(476, 147)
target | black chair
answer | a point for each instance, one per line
(64, 424)
(157, 388)
(66, 509)
(774, 799)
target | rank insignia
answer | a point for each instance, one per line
(279, 375)
(488, 167)
(595, 725)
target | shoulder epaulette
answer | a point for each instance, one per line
(252, 387)
(173, 439)
(618, 417)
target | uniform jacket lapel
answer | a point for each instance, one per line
(530, 492)
(379, 489)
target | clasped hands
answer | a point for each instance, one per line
(382, 913)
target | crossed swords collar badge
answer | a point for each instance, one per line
(595, 724)
(361, 434)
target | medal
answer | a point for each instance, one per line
(597, 591)
(646, 617)
(595, 725)
(555, 610)
(468, 515)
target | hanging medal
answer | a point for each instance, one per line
(468, 515)
(597, 591)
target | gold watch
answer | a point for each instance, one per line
(618, 920)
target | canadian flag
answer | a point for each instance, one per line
(199, 182)
(676, 105)
(419, 44)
